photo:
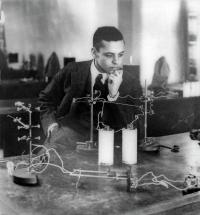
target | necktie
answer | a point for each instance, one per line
(98, 83)
(99, 86)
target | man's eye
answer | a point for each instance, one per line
(121, 55)
(108, 55)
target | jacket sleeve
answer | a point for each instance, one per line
(51, 97)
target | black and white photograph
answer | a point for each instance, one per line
(99, 107)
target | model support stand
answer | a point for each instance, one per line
(90, 145)
(25, 176)
(148, 144)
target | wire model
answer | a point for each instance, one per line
(149, 144)
(24, 176)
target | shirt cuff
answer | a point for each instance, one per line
(51, 126)
(112, 99)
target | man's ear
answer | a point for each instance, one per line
(94, 52)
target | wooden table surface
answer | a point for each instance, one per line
(60, 193)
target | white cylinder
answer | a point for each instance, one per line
(131, 59)
(1, 154)
(198, 88)
(186, 89)
(106, 147)
(129, 146)
(193, 89)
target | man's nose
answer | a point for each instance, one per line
(116, 60)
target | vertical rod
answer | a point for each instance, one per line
(145, 113)
(91, 113)
(30, 136)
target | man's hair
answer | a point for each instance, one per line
(107, 33)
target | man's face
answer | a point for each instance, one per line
(110, 55)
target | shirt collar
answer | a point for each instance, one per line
(95, 72)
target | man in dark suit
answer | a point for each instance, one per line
(65, 121)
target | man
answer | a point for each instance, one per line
(65, 121)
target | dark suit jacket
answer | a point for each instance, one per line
(71, 82)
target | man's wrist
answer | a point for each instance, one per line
(113, 98)
(51, 127)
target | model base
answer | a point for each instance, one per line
(24, 177)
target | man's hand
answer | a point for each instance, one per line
(114, 82)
